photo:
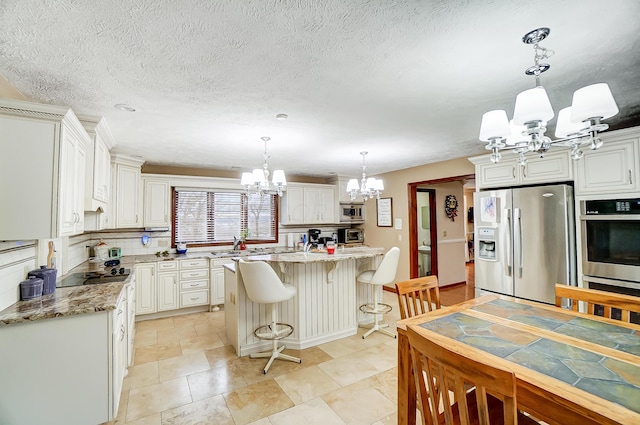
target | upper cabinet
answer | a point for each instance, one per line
(553, 167)
(308, 204)
(611, 169)
(98, 171)
(126, 199)
(157, 211)
(43, 152)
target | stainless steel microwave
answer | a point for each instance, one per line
(351, 212)
(349, 236)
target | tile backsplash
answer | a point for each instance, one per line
(17, 258)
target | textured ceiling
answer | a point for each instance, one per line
(406, 80)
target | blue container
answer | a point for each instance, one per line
(31, 288)
(48, 277)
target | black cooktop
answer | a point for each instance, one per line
(116, 274)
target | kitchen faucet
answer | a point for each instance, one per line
(236, 243)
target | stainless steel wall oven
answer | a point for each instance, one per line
(611, 247)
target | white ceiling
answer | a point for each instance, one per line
(406, 80)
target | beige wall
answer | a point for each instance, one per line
(8, 91)
(396, 187)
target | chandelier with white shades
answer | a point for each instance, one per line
(258, 181)
(368, 187)
(577, 126)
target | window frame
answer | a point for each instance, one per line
(244, 219)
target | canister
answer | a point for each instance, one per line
(48, 277)
(31, 288)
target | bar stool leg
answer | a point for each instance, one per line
(377, 326)
(276, 352)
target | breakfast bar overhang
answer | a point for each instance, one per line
(324, 309)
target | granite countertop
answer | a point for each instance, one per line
(311, 257)
(70, 301)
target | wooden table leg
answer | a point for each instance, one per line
(406, 383)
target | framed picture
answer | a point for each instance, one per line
(385, 212)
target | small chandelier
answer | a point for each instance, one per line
(258, 181)
(578, 125)
(368, 187)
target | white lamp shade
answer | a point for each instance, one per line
(379, 185)
(247, 179)
(258, 176)
(516, 136)
(594, 101)
(494, 124)
(565, 127)
(532, 105)
(279, 178)
(371, 183)
(352, 185)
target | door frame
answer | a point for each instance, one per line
(413, 219)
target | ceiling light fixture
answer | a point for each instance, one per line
(368, 187)
(258, 181)
(577, 125)
(124, 107)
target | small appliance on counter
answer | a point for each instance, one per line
(350, 236)
(314, 235)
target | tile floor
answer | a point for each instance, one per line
(185, 373)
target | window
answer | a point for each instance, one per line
(203, 217)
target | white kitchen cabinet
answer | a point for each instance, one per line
(309, 204)
(126, 192)
(555, 166)
(145, 288)
(217, 283)
(194, 282)
(98, 168)
(89, 354)
(131, 317)
(42, 154)
(167, 285)
(156, 203)
(613, 168)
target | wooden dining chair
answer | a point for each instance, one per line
(592, 297)
(413, 294)
(492, 400)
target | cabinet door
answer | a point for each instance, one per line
(66, 212)
(293, 202)
(101, 171)
(312, 206)
(127, 196)
(217, 286)
(78, 193)
(156, 204)
(145, 288)
(554, 167)
(611, 169)
(167, 284)
(326, 197)
(504, 173)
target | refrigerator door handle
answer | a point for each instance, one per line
(517, 217)
(507, 244)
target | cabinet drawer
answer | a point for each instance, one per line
(194, 274)
(194, 284)
(189, 299)
(167, 265)
(194, 264)
(220, 262)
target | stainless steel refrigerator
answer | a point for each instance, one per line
(524, 241)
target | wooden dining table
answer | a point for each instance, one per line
(570, 367)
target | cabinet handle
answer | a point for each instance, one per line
(630, 180)
(194, 274)
(136, 218)
(513, 172)
(194, 284)
(524, 172)
(194, 299)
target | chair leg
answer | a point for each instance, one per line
(276, 352)
(377, 326)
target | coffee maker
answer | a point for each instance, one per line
(314, 234)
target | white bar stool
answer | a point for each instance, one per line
(385, 274)
(263, 286)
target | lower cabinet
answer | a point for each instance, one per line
(145, 275)
(217, 283)
(66, 370)
(194, 282)
(167, 284)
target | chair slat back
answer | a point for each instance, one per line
(438, 370)
(418, 296)
(592, 297)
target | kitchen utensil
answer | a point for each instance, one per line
(51, 256)
(181, 248)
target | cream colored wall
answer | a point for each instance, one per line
(8, 91)
(396, 188)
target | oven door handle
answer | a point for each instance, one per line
(612, 282)
(611, 217)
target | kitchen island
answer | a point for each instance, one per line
(325, 307)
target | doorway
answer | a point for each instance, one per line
(426, 231)
(414, 243)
